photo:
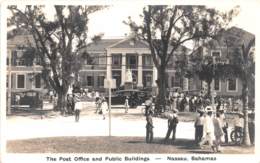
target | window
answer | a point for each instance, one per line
(102, 60)
(90, 80)
(216, 53)
(100, 81)
(38, 81)
(37, 60)
(116, 59)
(20, 81)
(147, 60)
(216, 84)
(232, 85)
(148, 80)
(176, 82)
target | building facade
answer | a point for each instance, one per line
(111, 58)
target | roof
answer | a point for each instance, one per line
(233, 37)
(21, 40)
(130, 43)
(102, 44)
(126, 43)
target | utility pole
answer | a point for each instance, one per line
(213, 92)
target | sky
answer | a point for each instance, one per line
(110, 21)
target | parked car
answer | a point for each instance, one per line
(135, 96)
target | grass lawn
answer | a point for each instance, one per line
(112, 145)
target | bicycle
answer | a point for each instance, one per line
(236, 136)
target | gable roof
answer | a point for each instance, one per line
(102, 44)
(233, 37)
(130, 43)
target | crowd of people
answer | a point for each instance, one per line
(211, 126)
(191, 103)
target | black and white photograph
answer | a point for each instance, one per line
(130, 78)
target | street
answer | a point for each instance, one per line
(54, 133)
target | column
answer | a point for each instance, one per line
(140, 71)
(123, 69)
(185, 84)
(109, 63)
(155, 74)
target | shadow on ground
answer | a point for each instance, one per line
(113, 145)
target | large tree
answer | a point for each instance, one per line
(58, 38)
(242, 66)
(167, 28)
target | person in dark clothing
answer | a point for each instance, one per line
(199, 126)
(149, 127)
(172, 124)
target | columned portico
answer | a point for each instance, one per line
(123, 69)
(140, 71)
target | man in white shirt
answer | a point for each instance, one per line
(208, 128)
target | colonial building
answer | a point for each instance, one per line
(221, 50)
(111, 59)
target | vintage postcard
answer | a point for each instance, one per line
(128, 81)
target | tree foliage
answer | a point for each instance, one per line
(58, 40)
(167, 28)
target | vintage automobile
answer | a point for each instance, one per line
(135, 97)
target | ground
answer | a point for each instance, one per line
(52, 133)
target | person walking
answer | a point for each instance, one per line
(223, 123)
(148, 105)
(208, 129)
(104, 108)
(218, 132)
(172, 124)
(126, 104)
(149, 127)
(98, 104)
(78, 106)
(199, 126)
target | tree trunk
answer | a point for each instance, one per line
(246, 138)
(161, 103)
(61, 102)
(209, 89)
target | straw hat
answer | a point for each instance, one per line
(209, 109)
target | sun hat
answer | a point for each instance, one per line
(209, 109)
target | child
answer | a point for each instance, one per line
(149, 127)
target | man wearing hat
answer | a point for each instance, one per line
(199, 126)
(208, 128)
(172, 124)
